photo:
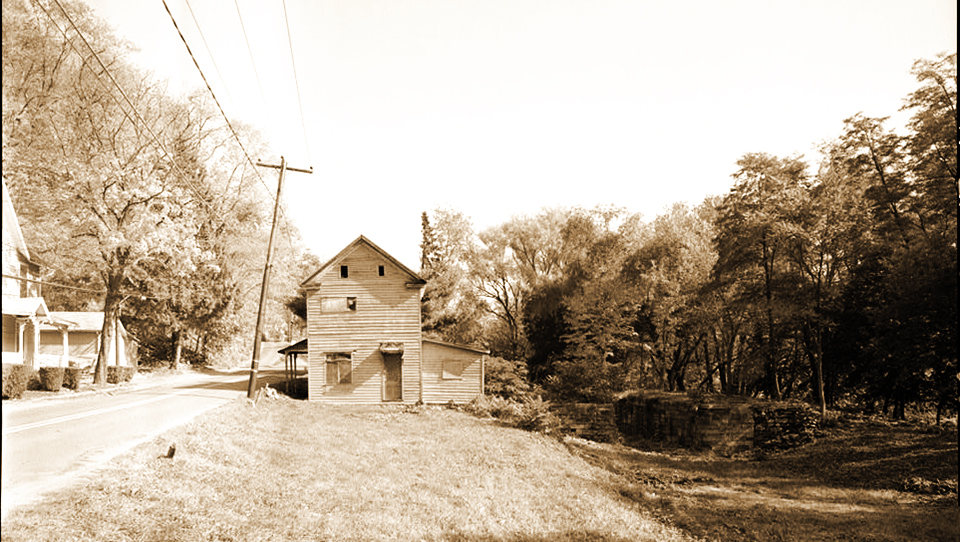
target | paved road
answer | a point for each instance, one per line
(48, 444)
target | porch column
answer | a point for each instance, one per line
(65, 343)
(32, 339)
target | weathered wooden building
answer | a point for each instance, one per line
(364, 336)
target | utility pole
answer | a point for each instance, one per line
(255, 365)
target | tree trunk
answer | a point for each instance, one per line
(177, 348)
(773, 371)
(111, 304)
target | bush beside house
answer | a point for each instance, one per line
(116, 375)
(16, 377)
(71, 378)
(51, 378)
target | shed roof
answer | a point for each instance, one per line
(457, 346)
(81, 321)
(353, 246)
(295, 348)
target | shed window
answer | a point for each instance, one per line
(338, 304)
(339, 368)
(452, 370)
(380, 270)
(344, 272)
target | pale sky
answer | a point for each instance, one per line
(502, 107)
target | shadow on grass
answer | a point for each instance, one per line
(846, 486)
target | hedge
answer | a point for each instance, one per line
(15, 380)
(71, 378)
(116, 375)
(51, 378)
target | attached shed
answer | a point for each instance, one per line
(452, 372)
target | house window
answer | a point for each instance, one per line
(380, 271)
(338, 304)
(339, 368)
(452, 370)
(344, 272)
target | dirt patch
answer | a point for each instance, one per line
(863, 479)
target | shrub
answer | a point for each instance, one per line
(114, 374)
(506, 379)
(71, 378)
(15, 380)
(51, 378)
(529, 414)
(128, 373)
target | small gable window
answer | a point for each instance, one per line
(339, 368)
(344, 272)
(380, 270)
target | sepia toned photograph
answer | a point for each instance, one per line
(479, 271)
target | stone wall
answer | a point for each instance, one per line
(591, 421)
(722, 424)
(782, 426)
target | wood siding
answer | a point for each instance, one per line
(386, 311)
(436, 388)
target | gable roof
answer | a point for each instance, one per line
(25, 306)
(11, 224)
(333, 262)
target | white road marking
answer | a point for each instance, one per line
(79, 415)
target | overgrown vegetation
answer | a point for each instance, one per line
(527, 413)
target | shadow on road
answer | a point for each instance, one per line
(271, 377)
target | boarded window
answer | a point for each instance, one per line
(453, 370)
(339, 368)
(338, 304)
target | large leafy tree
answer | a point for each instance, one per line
(756, 228)
(122, 188)
(451, 310)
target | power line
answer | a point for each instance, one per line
(296, 82)
(210, 89)
(55, 285)
(256, 74)
(207, 46)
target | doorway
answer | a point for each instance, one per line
(392, 377)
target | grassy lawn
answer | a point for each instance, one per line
(862, 480)
(290, 470)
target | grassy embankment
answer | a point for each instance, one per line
(290, 470)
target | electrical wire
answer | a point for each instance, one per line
(296, 82)
(256, 74)
(213, 94)
(207, 47)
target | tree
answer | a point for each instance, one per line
(123, 188)
(667, 272)
(757, 223)
(450, 308)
